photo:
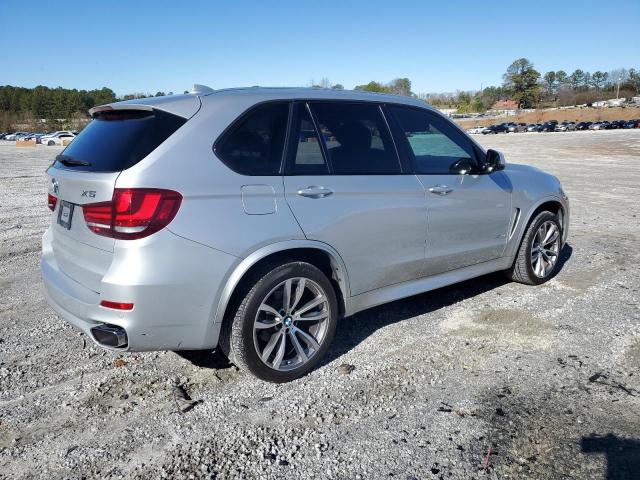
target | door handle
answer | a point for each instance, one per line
(314, 192)
(440, 190)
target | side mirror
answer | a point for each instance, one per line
(494, 161)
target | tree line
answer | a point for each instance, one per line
(50, 103)
(523, 84)
(59, 107)
(530, 89)
(398, 86)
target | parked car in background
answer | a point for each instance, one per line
(16, 135)
(583, 125)
(57, 139)
(548, 127)
(516, 127)
(475, 130)
(33, 136)
(565, 127)
(632, 124)
(533, 127)
(598, 125)
(45, 137)
(495, 129)
(174, 227)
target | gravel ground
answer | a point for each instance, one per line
(485, 379)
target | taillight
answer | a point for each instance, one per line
(132, 212)
(51, 202)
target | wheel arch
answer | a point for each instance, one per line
(550, 203)
(318, 254)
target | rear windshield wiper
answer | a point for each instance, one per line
(70, 161)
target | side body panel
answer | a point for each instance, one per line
(421, 285)
(376, 222)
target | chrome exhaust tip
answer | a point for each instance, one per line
(110, 335)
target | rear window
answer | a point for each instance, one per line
(118, 139)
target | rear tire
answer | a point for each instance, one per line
(537, 259)
(284, 323)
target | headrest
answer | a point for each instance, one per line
(354, 135)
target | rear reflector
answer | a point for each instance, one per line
(132, 213)
(116, 305)
(51, 202)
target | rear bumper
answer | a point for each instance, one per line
(174, 284)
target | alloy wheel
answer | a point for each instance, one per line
(291, 324)
(545, 249)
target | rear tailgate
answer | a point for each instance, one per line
(80, 253)
(86, 172)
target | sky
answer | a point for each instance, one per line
(441, 46)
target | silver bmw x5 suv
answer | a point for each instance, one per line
(251, 220)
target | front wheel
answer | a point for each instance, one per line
(284, 324)
(539, 252)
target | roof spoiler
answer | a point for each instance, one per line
(119, 106)
(183, 105)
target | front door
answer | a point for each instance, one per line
(468, 220)
(468, 211)
(346, 188)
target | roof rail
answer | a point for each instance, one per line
(200, 89)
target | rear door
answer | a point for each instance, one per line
(346, 188)
(468, 211)
(86, 172)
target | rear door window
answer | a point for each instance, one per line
(254, 144)
(356, 137)
(118, 139)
